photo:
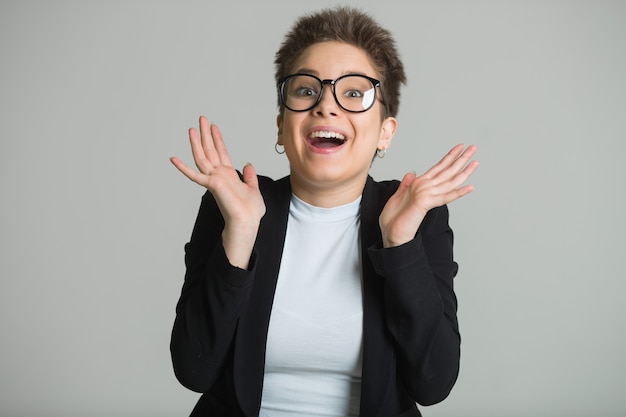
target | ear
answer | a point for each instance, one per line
(387, 131)
(279, 124)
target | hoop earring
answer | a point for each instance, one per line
(277, 149)
(381, 153)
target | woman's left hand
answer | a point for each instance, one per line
(440, 185)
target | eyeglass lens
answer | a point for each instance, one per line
(353, 92)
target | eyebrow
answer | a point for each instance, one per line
(316, 73)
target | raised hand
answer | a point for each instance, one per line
(240, 202)
(441, 184)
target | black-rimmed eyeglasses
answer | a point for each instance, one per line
(354, 93)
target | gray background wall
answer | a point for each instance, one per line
(95, 96)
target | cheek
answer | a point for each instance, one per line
(292, 131)
(290, 127)
(372, 132)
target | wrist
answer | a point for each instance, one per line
(391, 243)
(238, 244)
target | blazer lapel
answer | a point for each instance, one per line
(377, 353)
(249, 363)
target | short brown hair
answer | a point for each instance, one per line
(354, 27)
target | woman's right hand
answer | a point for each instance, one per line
(240, 202)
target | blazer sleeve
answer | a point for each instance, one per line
(421, 307)
(213, 295)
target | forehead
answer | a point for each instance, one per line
(332, 59)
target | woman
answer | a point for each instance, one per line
(325, 292)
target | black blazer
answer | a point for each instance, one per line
(411, 342)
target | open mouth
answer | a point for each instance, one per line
(324, 139)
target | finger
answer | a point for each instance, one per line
(406, 182)
(462, 176)
(456, 194)
(197, 151)
(407, 179)
(190, 173)
(455, 166)
(464, 158)
(220, 147)
(453, 189)
(469, 169)
(207, 142)
(462, 161)
(250, 177)
(444, 162)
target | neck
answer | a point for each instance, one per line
(327, 195)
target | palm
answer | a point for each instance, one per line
(239, 201)
(441, 184)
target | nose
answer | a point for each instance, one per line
(327, 105)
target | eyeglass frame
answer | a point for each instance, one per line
(375, 83)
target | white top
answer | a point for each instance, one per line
(314, 346)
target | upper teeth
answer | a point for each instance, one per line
(327, 134)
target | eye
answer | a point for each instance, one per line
(353, 94)
(304, 91)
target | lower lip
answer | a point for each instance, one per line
(324, 150)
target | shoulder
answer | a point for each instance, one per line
(384, 188)
(268, 182)
(274, 189)
(276, 195)
(377, 191)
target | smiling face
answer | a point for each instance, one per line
(330, 150)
